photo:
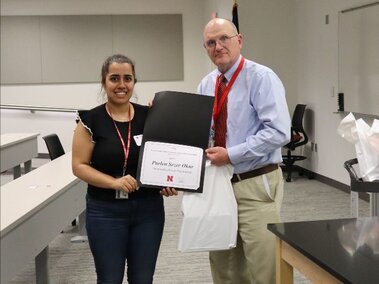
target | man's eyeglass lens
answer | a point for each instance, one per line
(223, 40)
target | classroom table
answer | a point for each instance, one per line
(18, 148)
(328, 251)
(34, 210)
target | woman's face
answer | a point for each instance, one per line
(119, 83)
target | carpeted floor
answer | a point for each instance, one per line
(71, 263)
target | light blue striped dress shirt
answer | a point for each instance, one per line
(258, 123)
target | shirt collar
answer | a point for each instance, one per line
(228, 74)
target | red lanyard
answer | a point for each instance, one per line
(125, 148)
(217, 106)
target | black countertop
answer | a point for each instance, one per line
(346, 248)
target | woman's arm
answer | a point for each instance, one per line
(82, 148)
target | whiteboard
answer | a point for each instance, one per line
(72, 48)
(358, 49)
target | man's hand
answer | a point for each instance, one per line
(218, 156)
(168, 191)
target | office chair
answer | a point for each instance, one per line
(298, 138)
(55, 148)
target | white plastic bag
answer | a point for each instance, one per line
(210, 219)
(373, 136)
(366, 141)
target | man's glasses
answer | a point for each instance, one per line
(223, 40)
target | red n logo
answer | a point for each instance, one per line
(170, 178)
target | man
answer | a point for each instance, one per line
(251, 124)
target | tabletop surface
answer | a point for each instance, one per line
(8, 139)
(33, 191)
(346, 248)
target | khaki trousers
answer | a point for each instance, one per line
(253, 260)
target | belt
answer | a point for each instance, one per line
(254, 173)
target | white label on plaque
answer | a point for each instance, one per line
(171, 165)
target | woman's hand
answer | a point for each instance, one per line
(168, 192)
(126, 183)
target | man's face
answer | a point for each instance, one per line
(223, 43)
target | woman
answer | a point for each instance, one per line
(124, 222)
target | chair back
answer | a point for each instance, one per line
(297, 118)
(54, 146)
(298, 138)
(298, 135)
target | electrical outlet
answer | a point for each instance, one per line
(313, 147)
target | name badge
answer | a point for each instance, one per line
(211, 141)
(120, 194)
(138, 139)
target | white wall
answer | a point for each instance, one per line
(290, 36)
(268, 29)
(317, 83)
(84, 96)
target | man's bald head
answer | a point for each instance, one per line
(222, 42)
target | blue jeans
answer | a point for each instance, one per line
(122, 231)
